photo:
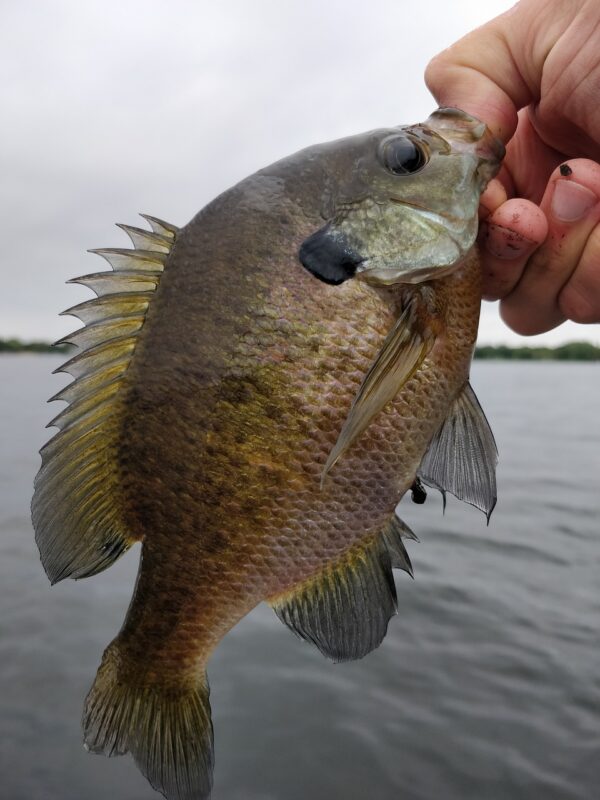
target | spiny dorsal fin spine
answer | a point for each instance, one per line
(76, 506)
(103, 331)
(144, 240)
(96, 358)
(74, 412)
(108, 283)
(71, 436)
(162, 227)
(123, 304)
(122, 258)
(90, 383)
(87, 439)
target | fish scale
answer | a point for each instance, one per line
(256, 391)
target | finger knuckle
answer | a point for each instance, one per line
(578, 306)
(434, 71)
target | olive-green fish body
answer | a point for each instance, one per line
(267, 384)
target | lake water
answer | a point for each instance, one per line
(487, 685)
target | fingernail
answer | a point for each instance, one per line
(504, 243)
(571, 201)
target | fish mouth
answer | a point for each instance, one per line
(490, 148)
(389, 276)
(466, 132)
(490, 151)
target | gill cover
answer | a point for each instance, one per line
(406, 204)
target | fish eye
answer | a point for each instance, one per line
(402, 155)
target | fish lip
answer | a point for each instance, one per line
(468, 133)
(490, 148)
(376, 276)
(490, 151)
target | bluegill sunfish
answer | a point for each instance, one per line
(253, 395)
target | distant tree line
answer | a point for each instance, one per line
(17, 346)
(574, 351)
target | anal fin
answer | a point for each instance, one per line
(344, 610)
(397, 530)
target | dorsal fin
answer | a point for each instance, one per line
(161, 227)
(462, 456)
(147, 240)
(75, 509)
(345, 609)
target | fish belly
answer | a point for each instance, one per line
(227, 436)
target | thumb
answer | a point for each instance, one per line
(495, 70)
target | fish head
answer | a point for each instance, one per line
(401, 203)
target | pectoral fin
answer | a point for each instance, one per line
(462, 456)
(403, 350)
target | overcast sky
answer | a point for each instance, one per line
(112, 108)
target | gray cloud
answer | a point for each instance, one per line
(110, 109)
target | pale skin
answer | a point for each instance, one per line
(533, 76)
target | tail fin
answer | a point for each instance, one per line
(167, 728)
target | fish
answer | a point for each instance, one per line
(252, 395)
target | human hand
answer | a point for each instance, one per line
(533, 74)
